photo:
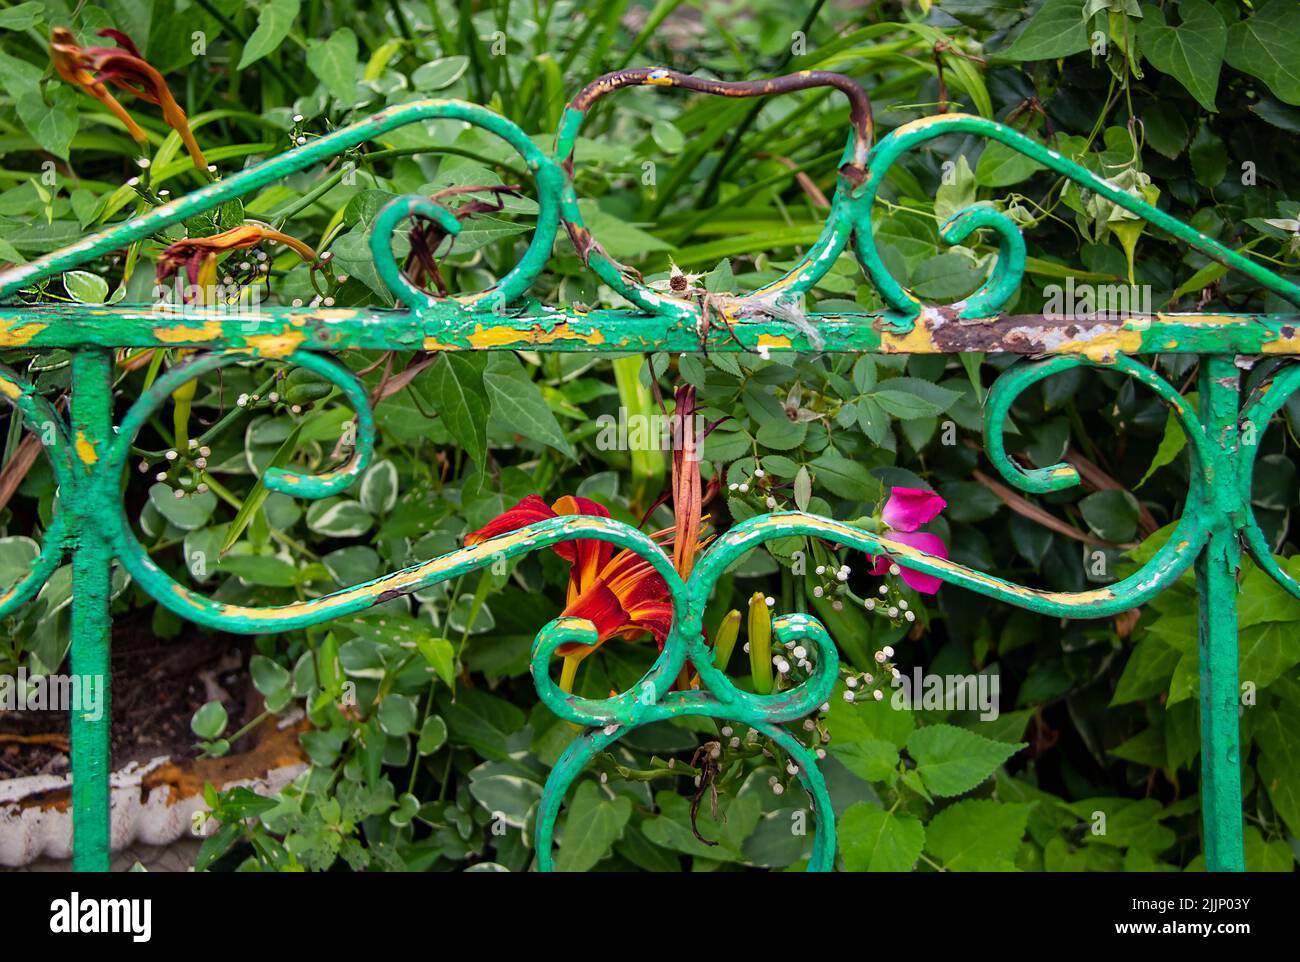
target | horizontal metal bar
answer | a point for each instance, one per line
(276, 331)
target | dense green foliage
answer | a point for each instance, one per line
(439, 759)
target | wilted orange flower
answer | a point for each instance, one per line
(198, 255)
(124, 67)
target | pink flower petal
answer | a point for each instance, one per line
(929, 543)
(909, 508)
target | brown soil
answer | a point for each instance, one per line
(157, 686)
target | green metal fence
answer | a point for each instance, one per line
(89, 452)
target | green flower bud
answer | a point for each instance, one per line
(760, 644)
(724, 639)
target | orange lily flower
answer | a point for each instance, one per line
(198, 255)
(619, 592)
(124, 67)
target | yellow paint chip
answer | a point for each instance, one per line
(20, 335)
(85, 450)
(209, 331)
(276, 345)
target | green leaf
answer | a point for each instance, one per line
(188, 512)
(977, 835)
(22, 16)
(850, 723)
(437, 74)
(1278, 736)
(209, 721)
(1171, 443)
(441, 656)
(274, 20)
(334, 62)
(667, 137)
(1002, 166)
(379, 487)
(433, 735)
(871, 759)
(455, 385)
(517, 402)
(874, 840)
(269, 676)
(52, 125)
(952, 761)
(265, 570)
(619, 238)
(482, 721)
(85, 287)
(1056, 30)
(1112, 515)
(594, 823)
(845, 478)
(1192, 52)
(339, 518)
(1267, 45)
(397, 715)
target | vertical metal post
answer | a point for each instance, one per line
(89, 505)
(1216, 586)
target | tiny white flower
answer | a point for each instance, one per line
(771, 602)
(893, 612)
(868, 679)
(888, 650)
(869, 604)
(910, 615)
(851, 682)
(837, 605)
(734, 743)
(879, 695)
(758, 473)
(778, 789)
(809, 724)
(771, 501)
(818, 591)
(744, 487)
(894, 569)
(800, 652)
(821, 569)
(726, 731)
(821, 754)
(884, 589)
(880, 657)
(792, 768)
(848, 696)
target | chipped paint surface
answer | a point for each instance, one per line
(276, 345)
(180, 333)
(86, 449)
(20, 334)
